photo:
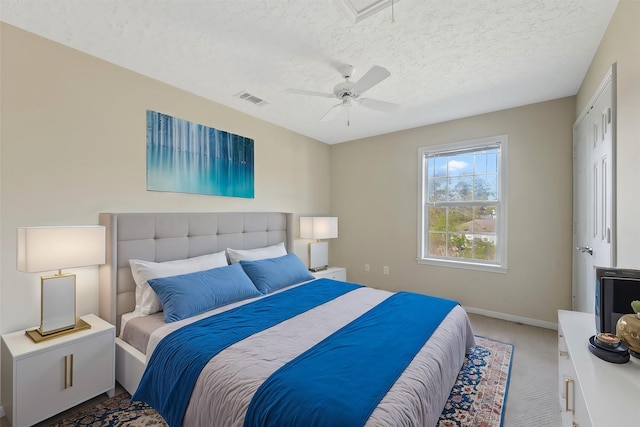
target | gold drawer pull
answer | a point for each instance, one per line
(71, 374)
(68, 371)
(566, 395)
(65, 372)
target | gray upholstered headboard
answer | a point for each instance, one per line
(169, 236)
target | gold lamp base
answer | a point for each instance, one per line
(37, 336)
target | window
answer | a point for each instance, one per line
(462, 204)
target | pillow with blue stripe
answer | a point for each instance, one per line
(271, 274)
(189, 294)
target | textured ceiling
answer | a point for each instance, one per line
(448, 58)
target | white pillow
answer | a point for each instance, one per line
(147, 302)
(236, 255)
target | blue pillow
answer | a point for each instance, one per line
(189, 294)
(274, 273)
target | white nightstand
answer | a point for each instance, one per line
(335, 273)
(41, 380)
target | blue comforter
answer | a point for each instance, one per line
(339, 381)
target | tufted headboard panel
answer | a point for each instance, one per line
(163, 237)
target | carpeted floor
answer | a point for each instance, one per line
(533, 388)
(477, 399)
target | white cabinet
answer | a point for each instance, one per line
(43, 379)
(335, 273)
(593, 392)
(573, 407)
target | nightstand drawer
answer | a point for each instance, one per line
(335, 273)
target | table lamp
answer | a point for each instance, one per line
(55, 248)
(318, 227)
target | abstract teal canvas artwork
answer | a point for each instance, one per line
(187, 157)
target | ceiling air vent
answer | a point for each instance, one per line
(251, 98)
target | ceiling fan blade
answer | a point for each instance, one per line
(310, 92)
(374, 104)
(332, 113)
(374, 76)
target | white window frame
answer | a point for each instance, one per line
(500, 264)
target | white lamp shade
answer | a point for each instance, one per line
(318, 227)
(55, 248)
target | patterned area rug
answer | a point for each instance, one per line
(117, 411)
(479, 395)
(477, 398)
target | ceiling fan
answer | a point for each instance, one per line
(348, 92)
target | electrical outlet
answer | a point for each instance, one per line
(385, 269)
(366, 267)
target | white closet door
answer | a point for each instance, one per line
(593, 193)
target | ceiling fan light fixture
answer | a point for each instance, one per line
(348, 92)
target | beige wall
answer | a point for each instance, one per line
(73, 145)
(621, 44)
(374, 192)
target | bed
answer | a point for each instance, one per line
(244, 381)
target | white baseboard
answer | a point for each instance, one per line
(512, 318)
